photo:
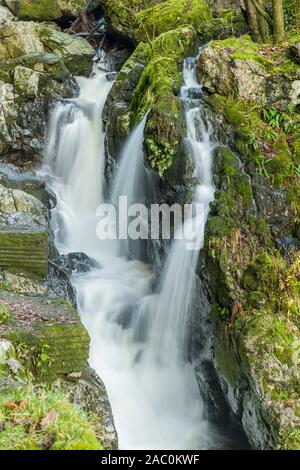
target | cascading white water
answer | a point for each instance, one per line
(137, 336)
(74, 160)
(173, 304)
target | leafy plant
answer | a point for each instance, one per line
(161, 157)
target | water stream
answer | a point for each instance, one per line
(137, 324)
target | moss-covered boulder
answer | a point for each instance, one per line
(47, 334)
(143, 20)
(44, 10)
(150, 81)
(169, 15)
(248, 71)
(23, 233)
(25, 37)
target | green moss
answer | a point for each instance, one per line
(44, 10)
(292, 440)
(25, 251)
(169, 15)
(237, 181)
(274, 59)
(51, 348)
(262, 274)
(157, 91)
(39, 9)
(225, 356)
(5, 315)
(40, 418)
(226, 24)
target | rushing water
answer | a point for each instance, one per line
(138, 331)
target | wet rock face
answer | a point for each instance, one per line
(11, 177)
(251, 250)
(37, 63)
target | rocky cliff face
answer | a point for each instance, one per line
(42, 339)
(250, 261)
(37, 63)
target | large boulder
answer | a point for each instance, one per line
(45, 10)
(251, 72)
(144, 20)
(25, 37)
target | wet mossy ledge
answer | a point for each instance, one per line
(250, 260)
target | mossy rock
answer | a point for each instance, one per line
(169, 15)
(75, 52)
(142, 20)
(25, 249)
(45, 10)
(47, 334)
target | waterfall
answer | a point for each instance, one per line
(169, 331)
(137, 333)
(134, 182)
(74, 161)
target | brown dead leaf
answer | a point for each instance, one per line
(48, 419)
(11, 405)
(21, 404)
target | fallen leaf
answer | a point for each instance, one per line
(48, 419)
(21, 404)
(11, 405)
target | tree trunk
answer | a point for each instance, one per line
(263, 25)
(252, 21)
(278, 19)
